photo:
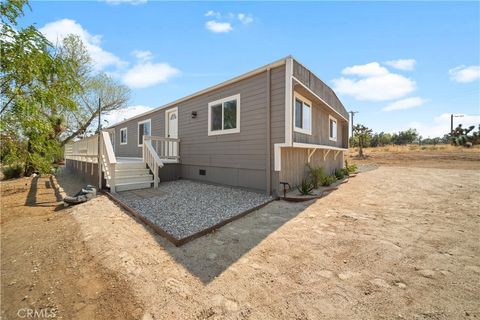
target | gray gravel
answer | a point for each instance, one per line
(184, 207)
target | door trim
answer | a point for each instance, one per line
(167, 122)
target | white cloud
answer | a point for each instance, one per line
(211, 13)
(441, 125)
(376, 88)
(132, 2)
(402, 64)
(142, 55)
(218, 27)
(403, 104)
(122, 114)
(56, 31)
(366, 70)
(245, 18)
(146, 73)
(465, 74)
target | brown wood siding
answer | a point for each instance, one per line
(295, 160)
(310, 80)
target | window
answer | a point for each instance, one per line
(224, 116)
(123, 136)
(332, 128)
(144, 129)
(302, 115)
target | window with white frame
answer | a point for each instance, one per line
(302, 115)
(332, 128)
(224, 116)
(144, 129)
(123, 136)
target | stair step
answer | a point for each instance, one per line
(144, 178)
(131, 172)
(125, 186)
(130, 165)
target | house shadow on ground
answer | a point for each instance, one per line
(209, 256)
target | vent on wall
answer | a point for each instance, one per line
(202, 172)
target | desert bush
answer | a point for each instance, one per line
(12, 171)
(340, 173)
(305, 187)
(316, 175)
(328, 180)
(351, 168)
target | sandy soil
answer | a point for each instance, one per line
(392, 243)
(45, 264)
(441, 156)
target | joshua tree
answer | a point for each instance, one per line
(363, 134)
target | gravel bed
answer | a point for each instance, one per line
(184, 207)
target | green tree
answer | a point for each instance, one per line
(363, 135)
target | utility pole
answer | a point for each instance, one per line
(99, 150)
(352, 113)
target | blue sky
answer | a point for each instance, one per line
(400, 65)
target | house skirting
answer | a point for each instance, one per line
(295, 160)
(87, 172)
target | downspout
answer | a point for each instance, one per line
(269, 138)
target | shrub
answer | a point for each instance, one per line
(305, 187)
(328, 180)
(340, 173)
(350, 168)
(12, 171)
(316, 175)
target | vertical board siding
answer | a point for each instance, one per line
(295, 160)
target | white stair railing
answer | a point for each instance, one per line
(166, 148)
(151, 158)
(108, 159)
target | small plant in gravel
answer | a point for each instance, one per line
(316, 175)
(305, 188)
(328, 180)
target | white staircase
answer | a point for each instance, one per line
(132, 175)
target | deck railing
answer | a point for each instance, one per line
(151, 158)
(86, 150)
(166, 148)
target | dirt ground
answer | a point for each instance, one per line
(392, 243)
(440, 156)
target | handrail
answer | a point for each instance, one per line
(151, 158)
(166, 148)
(108, 159)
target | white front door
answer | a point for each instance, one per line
(172, 131)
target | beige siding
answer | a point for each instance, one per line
(320, 124)
(235, 159)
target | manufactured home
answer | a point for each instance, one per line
(254, 131)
